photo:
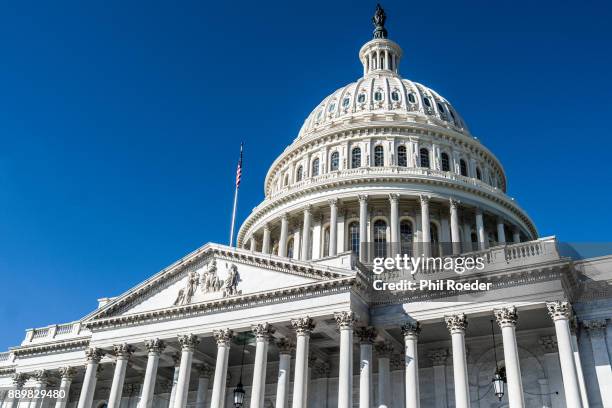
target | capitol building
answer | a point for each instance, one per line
(291, 316)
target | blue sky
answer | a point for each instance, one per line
(120, 122)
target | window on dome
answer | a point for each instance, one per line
(440, 107)
(402, 157)
(378, 96)
(424, 156)
(411, 98)
(346, 102)
(361, 98)
(452, 114)
(380, 239)
(286, 180)
(379, 156)
(463, 167)
(395, 96)
(299, 174)
(354, 237)
(334, 162)
(478, 173)
(315, 167)
(405, 237)
(332, 107)
(319, 115)
(356, 158)
(445, 162)
(427, 102)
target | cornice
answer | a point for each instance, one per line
(45, 348)
(6, 371)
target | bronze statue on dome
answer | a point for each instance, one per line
(379, 22)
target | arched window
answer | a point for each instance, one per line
(355, 158)
(334, 161)
(290, 248)
(299, 174)
(427, 102)
(286, 180)
(361, 98)
(378, 96)
(345, 102)
(424, 156)
(405, 237)
(402, 158)
(315, 167)
(395, 96)
(411, 98)
(440, 108)
(478, 173)
(354, 236)
(380, 239)
(326, 241)
(445, 162)
(463, 167)
(435, 242)
(379, 156)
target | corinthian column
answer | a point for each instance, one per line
(67, 374)
(454, 226)
(19, 380)
(223, 338)
(438, 358)
(560, 313)
(93, 356)
(284, 369)
(333, 226)
(506, 318)
(41, 380)
(366, 335)
(262, 337)
(284, 232)
(188, 344)
(345, 321)
(425, 231)
(410, 330)
(305, 255)
(384, 351)
(363, 227)
(302, 326)
(155, 347)
(265, 244)
(394, 218)
(123, 352)
(204, 373)
(456, 325)
(480, 230)
(597, 333)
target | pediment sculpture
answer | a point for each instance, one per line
(209, 282)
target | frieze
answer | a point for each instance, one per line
(51, 347)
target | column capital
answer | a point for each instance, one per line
(284, 216)
(411, 329)
(94, 355)
(333, 202)
(155, 345)
(559, 310)
(266, 227)
(285, 346)
(548, 344)
(456, 323)
(454, 203)
(384, 349)
(303, 325)
(366, 334)
(307, 208)
(67, 372)
(478, 211)
(362, 198)
(345, 319)
(394, 197)
(205, 371)
(223, 337)
(424, 199)
(123, 351)
(19, 379)
(41, 376)
(188, 342)
(263, 331)
(506, 316)
(438, 356)
(595, 327)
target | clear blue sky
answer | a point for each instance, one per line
(120, 122)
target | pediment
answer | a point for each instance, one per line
(215, 273)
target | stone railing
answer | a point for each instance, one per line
(7, 358)
(49, 333)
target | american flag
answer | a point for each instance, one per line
(239, 169)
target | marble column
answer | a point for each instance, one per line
(19, 380)
(383, 352)
(223, 338)
(516, 235)
(262, 338)
(597, 334)
(467, 237)
(265, 244)
(284, 235)
(366, 336)
(410, 330)
(155, 348)
(454, 226)
(438, 359)
(93, 357)
(123, 352)
(302, 326)
(41, 379)
(560, 312)
(345, 321)
(507, 318)
(306, 235)
(333, 227)
(67, 373)
(188, 344)
(204, 373)
(394, 221)
(425, 225)
(285, 347)
(501, 233)
(480, 230)
(583, 392)
(176, 357)
(457, 325)
(363, 228)
(252, 244)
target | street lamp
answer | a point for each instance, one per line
(500, 372)
(239, 391)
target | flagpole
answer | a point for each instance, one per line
(238, 177)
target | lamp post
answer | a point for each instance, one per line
(239, 391)
(499, 378)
